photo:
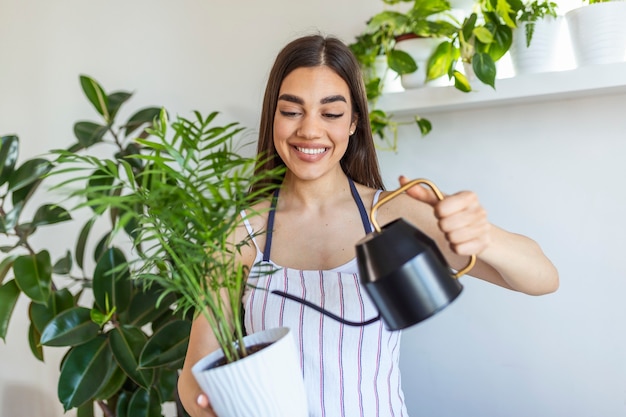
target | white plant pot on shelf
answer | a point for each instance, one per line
(543, 53)
(420, 50)
(266, 383)
(598, 32)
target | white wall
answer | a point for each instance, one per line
(553, 171)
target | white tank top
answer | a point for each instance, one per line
(348, 371)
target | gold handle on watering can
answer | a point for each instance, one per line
(402, 189)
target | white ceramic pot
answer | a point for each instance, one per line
(598, 32)
(266, 383)
(420, 50)
(542, 54)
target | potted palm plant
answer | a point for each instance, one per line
(185, 206)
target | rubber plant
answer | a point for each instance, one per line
(124, 342)
(193, 191)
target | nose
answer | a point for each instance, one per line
(309, 128)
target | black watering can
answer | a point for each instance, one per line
(402, 270)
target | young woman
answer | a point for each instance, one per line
(315, 122)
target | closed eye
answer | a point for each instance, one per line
(333, 115)
(289, 113)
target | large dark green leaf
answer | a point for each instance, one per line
(8, 222)
(167, 345)
(168, 379)
(6, 265)
(126, 345)
(116, 100)
(122, 404)
(82, 242)
(143, 306)
(29, 172)
(142, 117)
(145, 403)
(41, 314)
(85, 410)
(96, 95)
(113, 383)
(34, 338)
(111, 281)
(9, 294)
(50, 214)
(89, 133)
(33, 274)
(70, 328)
(84, 371)
(64, 265)
(9, 151)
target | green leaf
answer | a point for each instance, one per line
(113, 383)
(122, 404)
(64, 265)
(70, 328)
(82, 242)
(83, 372)
(142, 117)
(89, 133)
(9, 221)
(167, 345)
(461, 82)
(116, 100)
(424, 125)
(126, 345)
(168, 379)
(50, 214)
(111, 281)
(41, 314)
(145, 403)
(33, 342)
(6, 265)
(9, 151)
(143, 306)
(28, 173)
(440, 61)
(85, 410)
(484, 68)
(33, 274)
(96, 95)
(9, 294)
(401, 62)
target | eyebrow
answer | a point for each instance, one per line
(295, 99)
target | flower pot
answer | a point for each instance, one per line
(598, 33)
(420, 50)
(266, 383)
(543, 53)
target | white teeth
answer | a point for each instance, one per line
(311, 151)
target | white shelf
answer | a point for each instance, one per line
(579, 82)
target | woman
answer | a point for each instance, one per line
(315, 122)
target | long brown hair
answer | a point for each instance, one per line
(359, 162)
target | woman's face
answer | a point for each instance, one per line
(313, 121)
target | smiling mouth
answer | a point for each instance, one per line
(311, 151)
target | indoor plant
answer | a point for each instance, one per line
(597, 32)
(123, 353)
(185, 207)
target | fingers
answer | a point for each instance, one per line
(203, 402)
(464, 222)
(419, 192)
